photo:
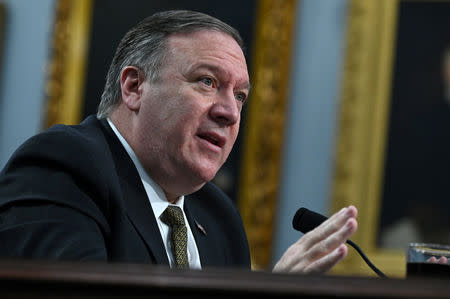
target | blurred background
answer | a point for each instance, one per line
(349, 105)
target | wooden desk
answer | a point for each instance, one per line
(39, 279)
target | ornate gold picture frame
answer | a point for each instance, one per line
(66, 68)
(263, 135)
(362, 129)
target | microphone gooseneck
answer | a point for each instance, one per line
(306, 220)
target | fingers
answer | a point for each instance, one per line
(441, 260)
(327, 262)
(320, 249)
(432, 259)
(333, 241)
(330, 226)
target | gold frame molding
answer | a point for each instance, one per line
(363, 127)
(66, 71)
(265, 125)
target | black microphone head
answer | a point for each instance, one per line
(306, 220)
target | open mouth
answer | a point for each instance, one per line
(213, 138)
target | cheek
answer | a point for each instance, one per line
(172, 115)
(182, 127)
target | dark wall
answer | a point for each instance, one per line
(417, 169)
(113, 18)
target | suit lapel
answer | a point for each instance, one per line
(135, 198)
(202, 233)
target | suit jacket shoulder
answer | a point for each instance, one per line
(48, 193)
(52, 165)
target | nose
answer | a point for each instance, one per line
(226, 109)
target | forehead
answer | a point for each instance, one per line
(215, 48)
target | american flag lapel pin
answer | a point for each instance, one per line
(201, 228)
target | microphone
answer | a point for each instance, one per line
(306, 220)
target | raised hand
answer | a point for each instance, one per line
(322, 248)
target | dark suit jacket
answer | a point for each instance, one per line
(73, 193)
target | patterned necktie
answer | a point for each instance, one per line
(173, 217)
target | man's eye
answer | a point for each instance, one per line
(240, 97)
(207, 81)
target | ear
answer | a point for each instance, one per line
(131, 80)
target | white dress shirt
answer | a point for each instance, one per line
(159, 203)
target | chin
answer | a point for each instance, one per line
(188, 187)
(200, 172)
(204, 175)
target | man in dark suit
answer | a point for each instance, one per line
(132, 184)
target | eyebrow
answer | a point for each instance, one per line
(218, 69)
(247, 86)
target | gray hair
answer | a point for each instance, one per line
(144, 45)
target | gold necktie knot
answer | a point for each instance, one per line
(173, 216)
